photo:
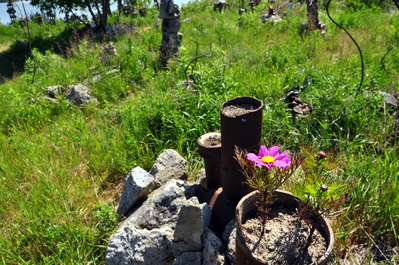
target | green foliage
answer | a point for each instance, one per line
(8, 33)
(377, 173)
(376, 5)
(322, 186)
(39, 65)
(107, 218)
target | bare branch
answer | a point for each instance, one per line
(196, 58)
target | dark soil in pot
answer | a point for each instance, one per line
(284, 238)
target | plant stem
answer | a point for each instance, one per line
(312, 230)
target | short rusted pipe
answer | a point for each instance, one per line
(209, 148)
(244, 131)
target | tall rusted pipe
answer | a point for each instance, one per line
(209, 147)
(241, 126)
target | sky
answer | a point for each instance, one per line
(5, 17)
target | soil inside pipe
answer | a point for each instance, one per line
(235, 110)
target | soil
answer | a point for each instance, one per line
(235, 110)
(283, 240)
(213, 141)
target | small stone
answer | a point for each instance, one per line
(271, 247)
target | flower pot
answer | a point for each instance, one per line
(241, 126)
(246, 252)
(209, 147)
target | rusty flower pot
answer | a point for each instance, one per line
(209, 147)
(247, 208)
(241, 126)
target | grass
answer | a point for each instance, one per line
(5, 46)
(62, 165)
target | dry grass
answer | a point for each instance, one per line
(4, 46)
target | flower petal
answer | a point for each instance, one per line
(263, 151)
(282, 164)
(274, 151)
(254, 158)
(261, 164)
(280, 160)
(283, 156)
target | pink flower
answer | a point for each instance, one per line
(268, 158)
(323, 187)
(322, 154)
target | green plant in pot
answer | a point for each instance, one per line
(271, 224)
(322, 191)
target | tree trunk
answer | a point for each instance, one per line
(313, 14)
(105, 12)
(93, 16)
(101, 23)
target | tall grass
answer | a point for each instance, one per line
(62, 165)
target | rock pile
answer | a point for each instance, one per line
(78, 94)
(164, 221)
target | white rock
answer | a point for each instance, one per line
(137, 185)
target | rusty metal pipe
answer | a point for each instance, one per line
(209, 147)
(244, 130)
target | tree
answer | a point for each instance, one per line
(98, 9)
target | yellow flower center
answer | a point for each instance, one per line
(268, 159)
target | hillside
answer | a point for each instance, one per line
(63, 165)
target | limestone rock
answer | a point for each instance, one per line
(80, 95)
(54, 91)
(169, 165)
(140, 246)
(109, 49)
(98, 77)
(160, 208)
(189, 228)
(390, 99)
(170, 226)
(192, 258)
(206, 214)
(229, 235)
(186, 84)
(137, 185)
(212, 248)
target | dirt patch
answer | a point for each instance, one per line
(235, 110)
(284, 238)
